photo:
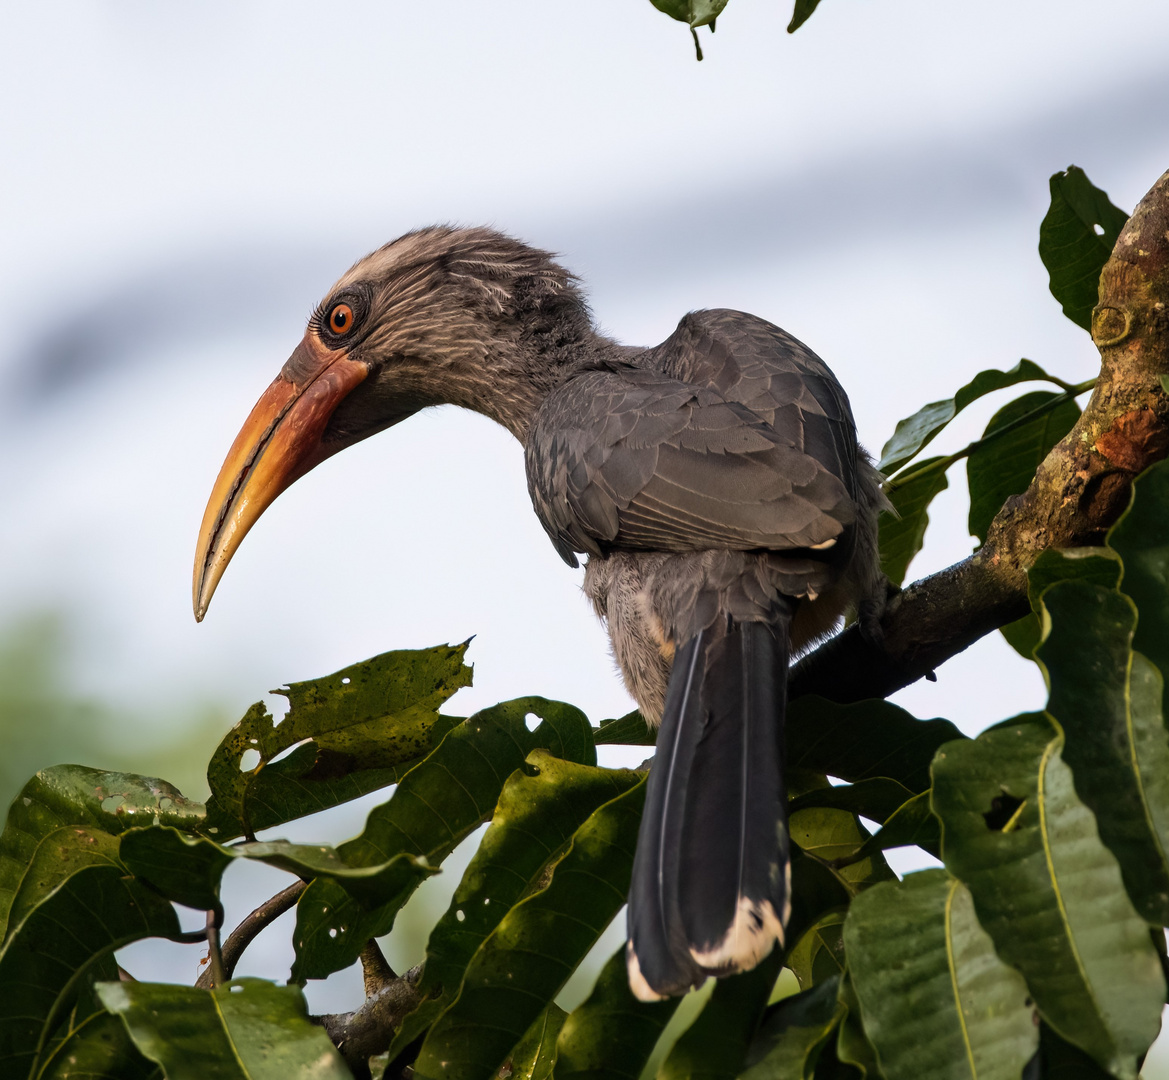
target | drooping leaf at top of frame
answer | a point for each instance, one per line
(525, 961)
(246, 1030)
(936, 1000)
(1047, 890)
(914, 433)
(63, 819)
(694, 13)
(1076, 238)
(436, 805)
(801, 14)
(542, 805)
(358, 728)
(1006, 465)
(902, 532)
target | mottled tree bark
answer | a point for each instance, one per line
(1078, 492)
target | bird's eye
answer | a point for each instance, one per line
(341, 319)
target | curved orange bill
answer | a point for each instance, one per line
(279, 442)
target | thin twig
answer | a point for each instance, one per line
(215, 968)
(244, 934)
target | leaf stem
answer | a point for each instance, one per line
(1071, 390)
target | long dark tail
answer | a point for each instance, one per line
(711, 880)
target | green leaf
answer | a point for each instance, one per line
(535, 1054)
(1076, 238)
(819, 953)
(1141, 537)
(187, 869)
(935, 999)
(1047, 890)
(611, 1034)
(1006, 465)
(852, 1044)
(902, 533)
(915, 432)
(99, 1048)
(863, 740)
(830, 835)
(43, 964)
(627, 730)
(694, 13)
(801, 14)
(793, 1033)
(245, 1030)
(539, 811)
(912, 823)
(715, 1046)
(1108, 702)
(440, 802)
(365, 723)
(525, 961)
(1059, 1060)
(876, 798)
(38, 848)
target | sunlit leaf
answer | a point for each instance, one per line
(525, 961)
(914, 433)
(541, 807)
(829, 835)
(54, 824)
(246, 1030)
(1075, 239)
(1006, 465)
(627, 730)
(535, 1054)
(438, 803)
(611, 1034)
(935, 1000)
(819, 953)
(1047, 890)
(359, 727)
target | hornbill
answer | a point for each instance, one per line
(713, 481)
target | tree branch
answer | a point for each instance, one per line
(244, 934)
(1078, 492)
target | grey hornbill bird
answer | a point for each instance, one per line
(714, 482)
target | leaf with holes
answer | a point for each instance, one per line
(1006, 465)
(359, 727)
(716, 1045)
(529, 956)
(45, 961)
(1047, 890)
(540, 809)
(935, 999)
(915, 432)
(245, 1030)
(63, 819)
(611, 1034)
(902, 532)
(793, 1033)
(438, 803)
(863, 740)
(1076, 237)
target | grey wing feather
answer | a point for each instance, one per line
(713, 441)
